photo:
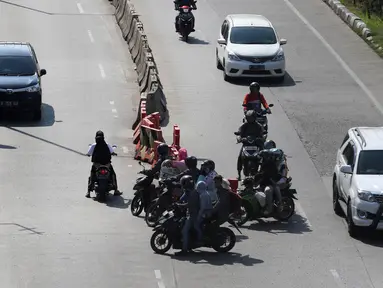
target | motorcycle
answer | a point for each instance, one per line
(103, 182)
(162, 203)
(261, 117)
(144, 186)
(168, 233)
(250, 148)
(253, 204)
(185, 23)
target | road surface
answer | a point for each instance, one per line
(52, 236)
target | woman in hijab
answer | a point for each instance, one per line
(205, 209)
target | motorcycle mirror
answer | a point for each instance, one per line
(236, 133)
(271, 105)
(114, 146)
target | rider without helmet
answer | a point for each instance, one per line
(163, 150)
(208, 166)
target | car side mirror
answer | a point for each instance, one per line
(221, 41)
(282, 41)
(43, 72)
(346, 169)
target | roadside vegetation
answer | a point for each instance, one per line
(371, 12)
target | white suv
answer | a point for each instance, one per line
(358, 179)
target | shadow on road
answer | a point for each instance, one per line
(241, 238)
(25, 119)
(372, 238)
(2, 146)
(218, 259)
(296, 225)
(196, 41)
(264, 82)
(118, 202)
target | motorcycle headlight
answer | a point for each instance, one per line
(232, 56)
(366, 196)
(280, 56)
(34, 88)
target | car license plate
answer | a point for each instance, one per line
(9, 103)
(257, 67)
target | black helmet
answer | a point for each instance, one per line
(163, 149)
(209, 164)
(187, 182)
(251, 116)
(191, 162)
(254, 87)
(99, 134)
(269, 144)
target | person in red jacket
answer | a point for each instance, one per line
(255, 99)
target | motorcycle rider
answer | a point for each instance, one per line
(255, 99)
(101, 153)
(250, 128)
(192, 170)
(222, 207)
(180, 3)
(205, 210)
(193, 207)
(207, 175)
(271, 176)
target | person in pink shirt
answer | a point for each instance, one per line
(180, 162)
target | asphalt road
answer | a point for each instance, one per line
(52, 236)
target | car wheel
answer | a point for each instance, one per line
(353, 230)
(225, 77)
(37, 115)
(217, 62)
(335, 199)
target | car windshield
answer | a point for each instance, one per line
(17, 66)
(370, 162)
(253, 35)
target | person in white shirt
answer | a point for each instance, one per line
(101, 153)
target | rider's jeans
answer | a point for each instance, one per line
(270, 191)
(185, 233)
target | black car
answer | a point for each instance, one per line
(20, 79)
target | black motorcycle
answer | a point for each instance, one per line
(261, 117)
(168, 233)
(162, 203)
(145, 192)
(250, 149)
(185, 23)
(103, 182)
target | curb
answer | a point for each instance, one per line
(355, 23)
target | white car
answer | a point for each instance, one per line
(358, 179)
(248, 46)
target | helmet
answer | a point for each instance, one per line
(277, 154)
(209, 164)
(191, 162)
(247, 182)
(251, 116)
(99, 134)
(163, 149)
(187, 182)
(167, 163)
(254, 87)
(269, 144)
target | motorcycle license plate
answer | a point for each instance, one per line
(9, 103)
(257, 67)
(251, 148)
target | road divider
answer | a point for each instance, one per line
(151, 89)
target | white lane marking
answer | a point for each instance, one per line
(301, 212)
(91, 38)
(159, 279)
(337, 57)
(125, 150)
(111, 102)
(337, 278)
(79, 6)
(114, 110)
(130, 166)
(102, 71)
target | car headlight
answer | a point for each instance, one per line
(34, 88)
(366, 196)
(232, 56)
(280, 56)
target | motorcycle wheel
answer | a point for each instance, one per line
(157, 239)
(137, 205)
(223, 236)
(151, 216)
(288, 209)
(245, 211)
